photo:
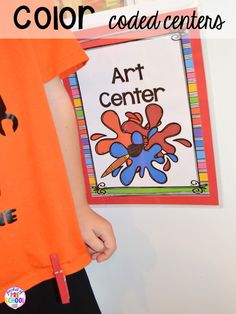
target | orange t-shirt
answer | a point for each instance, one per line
(37, 214)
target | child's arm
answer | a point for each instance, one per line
(96, 231)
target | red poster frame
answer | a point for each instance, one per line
(102, 36)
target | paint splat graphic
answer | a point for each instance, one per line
(139, 147)
(5, 115)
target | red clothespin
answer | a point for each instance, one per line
(61, 279)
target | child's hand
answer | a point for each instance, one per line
(97, 234)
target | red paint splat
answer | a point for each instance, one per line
(97, 136)
(184, 142)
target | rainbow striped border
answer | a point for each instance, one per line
(77, 100)
(200, 187)
(195, 109)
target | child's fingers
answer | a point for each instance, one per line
(104, 255)
(94, 243)
(109, 242)
(93, 253)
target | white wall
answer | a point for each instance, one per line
(180, 259)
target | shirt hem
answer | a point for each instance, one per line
(68, 268)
